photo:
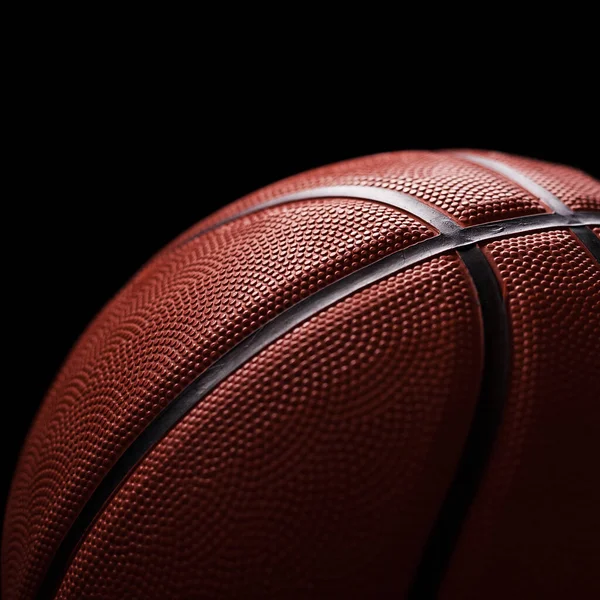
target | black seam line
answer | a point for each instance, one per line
(485, 422)
(442, 222)
(585, 236)
(588, 238)
(268, 333)
(514, 175)
(444, 536)
(401, 201)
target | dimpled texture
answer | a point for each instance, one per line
(252, 494)
(468, 193)
(573, 187)
(532, 531)
(176, 317)
(316, 469)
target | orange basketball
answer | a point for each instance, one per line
(378, 379)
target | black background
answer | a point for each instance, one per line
(104, 177)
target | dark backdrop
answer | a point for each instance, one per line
(103, 182)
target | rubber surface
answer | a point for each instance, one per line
(468, 193)
(162, 351)
(589, 240)
(486, 419)
(271, 331)
(176, 317)
(532, 531)
(289, 450)
(577, 190)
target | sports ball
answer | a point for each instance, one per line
(376, 379)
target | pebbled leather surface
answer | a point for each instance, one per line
(316, 469)
(181, 312)
(575, 188)
(533, 529)
(468, 193)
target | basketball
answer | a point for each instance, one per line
(376, 379)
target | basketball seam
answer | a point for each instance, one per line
(584, 234)
(452, 238)
(486, 419)
(398, 200)
(408, 204)
(588, 239)
(547, 198)
(477, 450)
